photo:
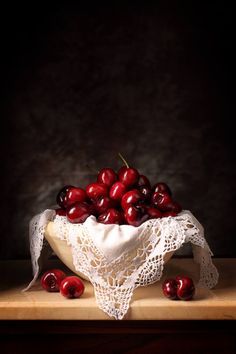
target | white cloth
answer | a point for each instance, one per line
(119, 258)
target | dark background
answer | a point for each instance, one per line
(81, 83)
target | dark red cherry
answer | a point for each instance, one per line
(130, 198)
(128, 176)
(96, 190)
(74, 194)
(154, 213)
(102, 204)
(72, 287)
(111, 216)
(135, 216)
(143, 181)
(60, 199)
(161, 187)
(146, 192)
(185, 287)
(107, 176)
(78, 212)
(169, 288)
(161, 200)
(52, 279)
(117, 190)
(175, 207)
(169, 213)
(60, 212)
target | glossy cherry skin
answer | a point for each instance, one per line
(107, 176)
(72, 287)
(143, 181)
(135, 216)
(111, 216)
(131, 198)
(146, 192)
(96, 190)
(169, 213)
(52, 279)
(78, 212)
(169, 288)
(60, 199)
(60, 212)
(185, 287)
(74, 194)
(128, 176)
(154, 213)
(102, 204)
(175, 207)
(117, 190)
(161, 200)
(161, 187)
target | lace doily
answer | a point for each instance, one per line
(119, 258)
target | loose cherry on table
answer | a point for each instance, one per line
(180, 287)
(72, 287)
(51, 279)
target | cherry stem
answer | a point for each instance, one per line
(123, 159)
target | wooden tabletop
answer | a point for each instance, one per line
(148, 303)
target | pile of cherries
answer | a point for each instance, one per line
(125, 197)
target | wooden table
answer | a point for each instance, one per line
(152, 321)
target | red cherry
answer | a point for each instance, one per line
(117, 191)
(169, 288)
(135, 215)
(60, 212)
(52, 279)
(107, 176)
(111, 216)
(161, 200)
(74, 194)
(60, 199)
(78, 212)
(96, 190)
(128, 176)
(102, 204)
(146, 192)
(130, 198)
(143, 181)
(175, 207)
(185, 287)
(154, 213)
(72, 287)
(161, 187)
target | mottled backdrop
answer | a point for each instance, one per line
(80, 84)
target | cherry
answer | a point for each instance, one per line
(60, 212)
(185, 287)
(161, 200)
(117, 191)
(74, 194)
(78, 212)
(60, 199)
(146, 192)
(128, 176)
(111, 216)
(143, 181)
(107, 176)
(96, 190)
(52, 279)
(180, 287)
(161, 187)
(102, 204)
(72, 287)
(135, 215)
(130, 198)
(154, 213)
(169, 288)
(169, 213)
(175, 207)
